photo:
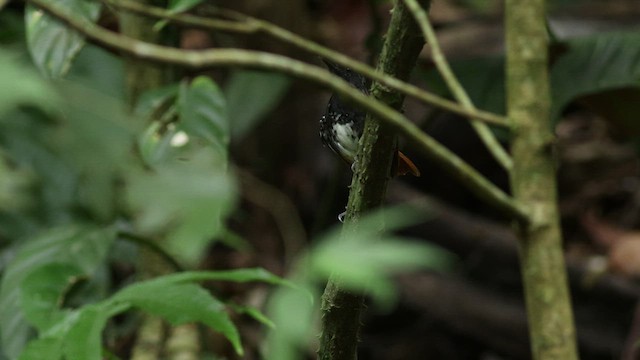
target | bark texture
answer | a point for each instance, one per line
(533, 182)
(341, 309)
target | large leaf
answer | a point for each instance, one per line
(95, 139)
(482, 78)
(237, 275)
(189, 192)
(42, 292)
(156, 143)
(179, 304)
(596, 66)
(37, 349)
(83, 340)
(251, 95)
(21, 85)
(603, 70)
(203, 112)
(184, 201)
(77, 335)
(174, 297)
(365, 263)
(23, 137)
(14, 187)
(152, 101)
(293, 315)
(99, 69)
(52, 44)
(84, 247)
(362, 258)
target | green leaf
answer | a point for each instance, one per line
(596, 64)
(84, 338)
(95, 138)
(155, 147)
(15, 187)
(179, 304)
(84, 247)
(99, 69)
(482, 79)
(367, 264)
(253, 313)
(156, 143)
(43, 349)
(602, 69)
(52, 44)
(293, 316)
(25, 136)
(203, 112)
(251, 95)
(187, 201)
(22, 85)
(152, 101)
(364, 257)
(236, 275)
(42, 291)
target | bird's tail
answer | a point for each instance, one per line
(404, 166)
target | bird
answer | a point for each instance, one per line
(342, 124)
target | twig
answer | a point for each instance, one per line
(201, 59)
(182, 18)
(455, 87)
(245, 24)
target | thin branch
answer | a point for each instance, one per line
(183, 18)
(483, 131)
(202, 59)
(245, 24)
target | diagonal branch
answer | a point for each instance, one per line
(341, 308)
(202, 59)
(483, 131)
(245, 24)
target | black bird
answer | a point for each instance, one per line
(342, 124)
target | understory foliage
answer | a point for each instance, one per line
(85, 183)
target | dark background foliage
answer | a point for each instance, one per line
(257, 188)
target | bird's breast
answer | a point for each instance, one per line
(345, 140)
